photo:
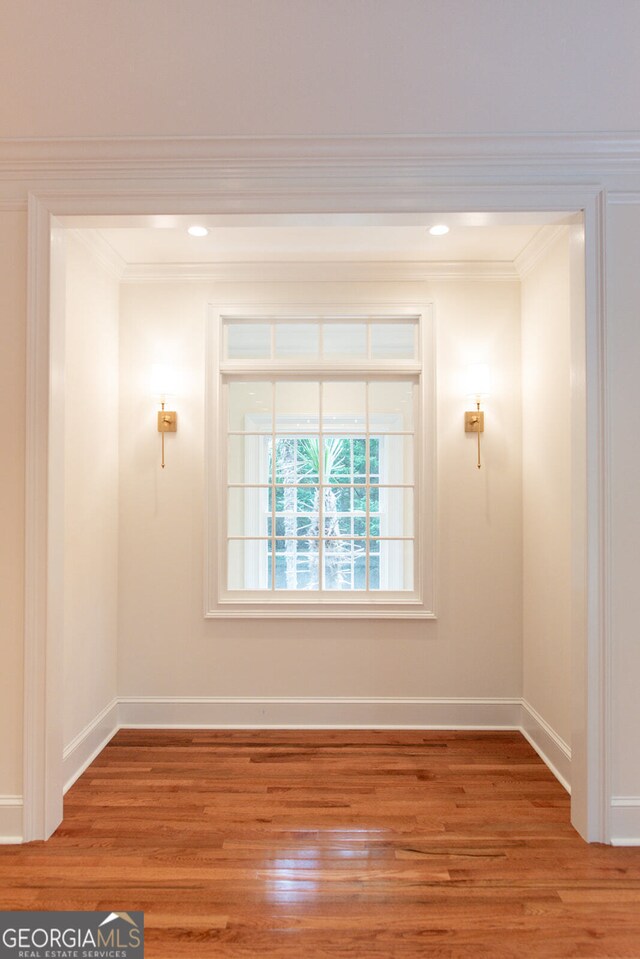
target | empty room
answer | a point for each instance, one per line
(319, 613)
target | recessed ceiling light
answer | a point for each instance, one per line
(197, 231)
(439, 229)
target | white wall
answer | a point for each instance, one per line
(91, 491)
(623, 368)
(317, 67)
(12, 390)
(168, 649)
(546, 486)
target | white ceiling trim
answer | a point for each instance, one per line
(141, 173)
(622, 197)
(13, 204)
(324, 271)
(103, 252)
(123, 154)
(536, 248)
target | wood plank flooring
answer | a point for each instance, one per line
(341, 844)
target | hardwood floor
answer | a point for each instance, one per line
(341, 844)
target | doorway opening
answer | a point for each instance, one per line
(498, 648)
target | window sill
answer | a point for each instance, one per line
(308, 611)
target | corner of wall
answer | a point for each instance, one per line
(89, 743)
(547, 495)
(624, 821)
(10, 820)
(553, 750)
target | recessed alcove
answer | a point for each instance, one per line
(502, 289)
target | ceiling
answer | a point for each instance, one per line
(229, 244)
(472, 237)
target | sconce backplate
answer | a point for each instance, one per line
(167, 421)
(474, 421)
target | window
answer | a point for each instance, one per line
(320, 498)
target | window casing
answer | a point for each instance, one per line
(320, 464)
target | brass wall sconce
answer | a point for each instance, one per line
(478, 387)
(167, 423)
(164, 385)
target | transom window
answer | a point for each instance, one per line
(320, 502)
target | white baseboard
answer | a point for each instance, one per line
(553, 750)
(82, 750)
(335, 712)
(625, 821)
(324, 712)
(228, 712)
(10, 819)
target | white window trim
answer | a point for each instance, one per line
(260, 604)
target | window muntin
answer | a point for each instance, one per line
(352, 338)
(325, 501)
(377, 557)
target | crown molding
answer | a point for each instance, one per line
(536, 248)
(13, 204)
(101, 251)
(623, 197)
(114, 157)
(617, 146)
(325, 271)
